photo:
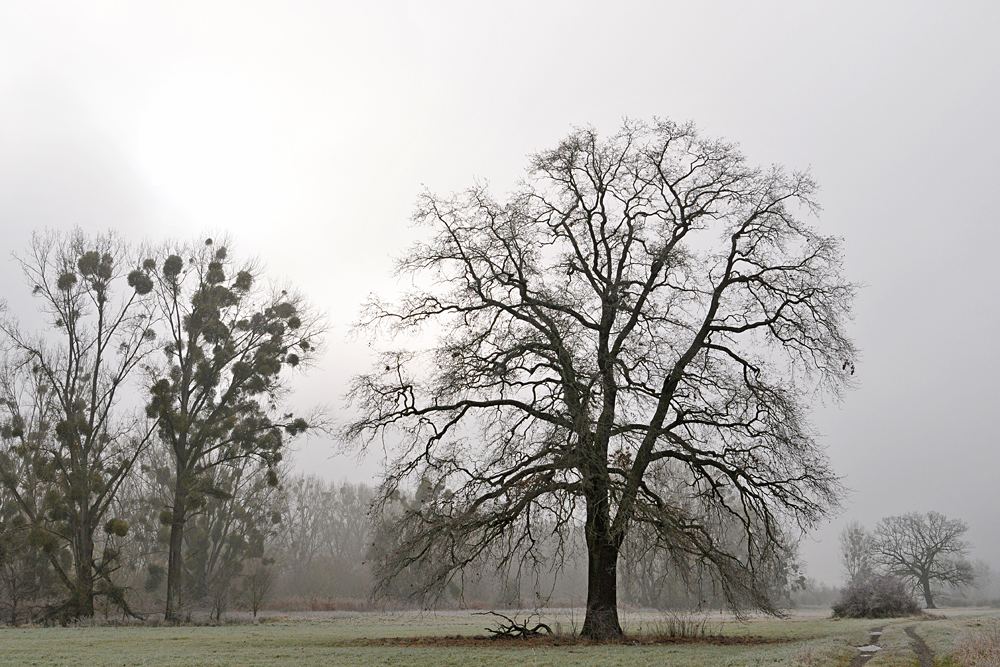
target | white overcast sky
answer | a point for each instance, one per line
(307, 130)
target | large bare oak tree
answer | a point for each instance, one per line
(629, 339)
(924, 549)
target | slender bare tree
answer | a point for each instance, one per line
(856, 552)
(924, 549)
(257, 584)
(630, 338)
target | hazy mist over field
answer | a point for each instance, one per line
(306, 131)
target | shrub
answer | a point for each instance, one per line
(875, 597)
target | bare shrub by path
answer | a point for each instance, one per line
(875, 597)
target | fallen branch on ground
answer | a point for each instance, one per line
(512, 629)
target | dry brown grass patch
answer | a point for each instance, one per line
(979, 647)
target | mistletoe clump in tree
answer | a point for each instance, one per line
(628, 340)
(229, 342)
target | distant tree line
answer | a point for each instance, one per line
(306, 544)
(143, 431)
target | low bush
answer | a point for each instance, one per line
(875, 597)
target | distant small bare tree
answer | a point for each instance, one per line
(257, 583)
(983, 574)
(219, 592)
(856, 552)
(924, 549)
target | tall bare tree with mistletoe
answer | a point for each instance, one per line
(68, 438)
(230, 341)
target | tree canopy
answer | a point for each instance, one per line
(629, 339)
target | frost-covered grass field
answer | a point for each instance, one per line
(804, 639)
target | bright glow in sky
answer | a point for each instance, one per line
(306, 130)
(207, 141)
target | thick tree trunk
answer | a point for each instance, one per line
(82, 596)
(175, 562)
(601, 620)
(602, 593)
(925, 583)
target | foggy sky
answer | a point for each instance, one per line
(306, 130)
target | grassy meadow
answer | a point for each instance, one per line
(433, 639)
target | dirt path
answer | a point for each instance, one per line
(873, 637)
(923, 651)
